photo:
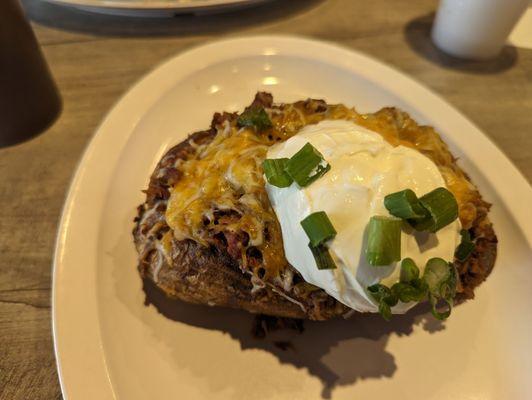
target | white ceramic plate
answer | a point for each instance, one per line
(156, 8)
(110, 346)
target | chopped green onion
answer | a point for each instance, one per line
(412, 291)
(448, 288)
(403, 291)
(383, 294)
(466, 246)
(318, 228)
(275, 173)
(409, 270)
(255, 117)
(441, 278)
(385, 311)
(442, 207)
(438, 284)
(391, 300)
(440, 315)
(405, 205)
(385, 298)
(307, 165)
(383, 240)
(379, 292)
(436, 272)
(322, 256)
(464, 233)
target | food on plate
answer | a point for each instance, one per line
(312, 210)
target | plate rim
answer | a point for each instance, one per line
(143, 5)
(150, 86)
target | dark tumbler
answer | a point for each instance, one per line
(29, 100)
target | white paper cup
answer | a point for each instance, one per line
(475, 29)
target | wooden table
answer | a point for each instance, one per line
(96, 58)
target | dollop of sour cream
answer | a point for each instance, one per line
(364, 169)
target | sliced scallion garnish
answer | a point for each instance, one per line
(306, 165)
(254, 117)
(466, 246)
(406, 292)
(275, 173)
(442, 208)
(441, 279)
(438, 284)
(385, 299)
(322, 256)
(405, 205)
(436, 272)
(402, 291)
(385, 310)
(414, 290)
(318, 228)
(383, 240)
(434, 308)
(379, 291)
(409, 270)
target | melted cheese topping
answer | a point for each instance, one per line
(225, 177)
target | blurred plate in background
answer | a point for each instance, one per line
(156, 8)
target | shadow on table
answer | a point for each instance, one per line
(417, 35)
(338, 352)
(71, 19)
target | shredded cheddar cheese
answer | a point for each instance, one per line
(225, 177)
(222, 189)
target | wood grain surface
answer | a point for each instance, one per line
(96, 58)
